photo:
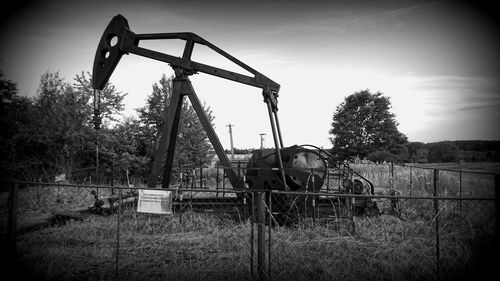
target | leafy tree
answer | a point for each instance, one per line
(130, 149)
(57, 135)
(14, 115)
(363, 124)
(54, 132)
(59, 131)
(108, 142)
(111, 100)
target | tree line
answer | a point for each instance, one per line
(363, 127)
(67, 128)
(62, 129)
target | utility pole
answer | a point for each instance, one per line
(231, 139)
(262, 140)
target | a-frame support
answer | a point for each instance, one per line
(182, 87)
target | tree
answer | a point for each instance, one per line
(192, 145)
(53, 132)
(60, 138)
(363, 124)
(381, 156)
(111, 100)
(14, 115)
(417, 152)
(130, 149)
(48, 136)
(444, 151)
(105, 138)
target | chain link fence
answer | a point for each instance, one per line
(431, 225)
(334, 245)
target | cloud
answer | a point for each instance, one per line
(469, 103)
(389, 15)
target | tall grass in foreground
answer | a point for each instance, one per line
(382, 248)
(152, 247)
(209, 247)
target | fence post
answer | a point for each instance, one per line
(201, 175)
(118, 219)
(12, 222)
(313, 200)
(181, 209)
(497, 213)
(327, 178)
(252, 221)
(245, 215)
(460, 190)
(193, 178)
(223, 181)
(352, 200)
(270, 210)
(261, 237)
(392, 176)
(411, 170)
(436, 210)
(112, 177)
(217, 178)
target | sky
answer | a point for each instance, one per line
(437, 61)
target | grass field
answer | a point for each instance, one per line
(151, 248)
(206, 246)
(419, 181)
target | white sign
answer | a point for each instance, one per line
(154, 201)
(60, 178)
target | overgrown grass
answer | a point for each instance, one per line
(151, 247)
(209, 247)
(420, 182)
(382, 248)
(216, 247)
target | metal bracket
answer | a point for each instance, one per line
(271, 97)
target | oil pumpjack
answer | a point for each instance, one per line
(294, 168)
